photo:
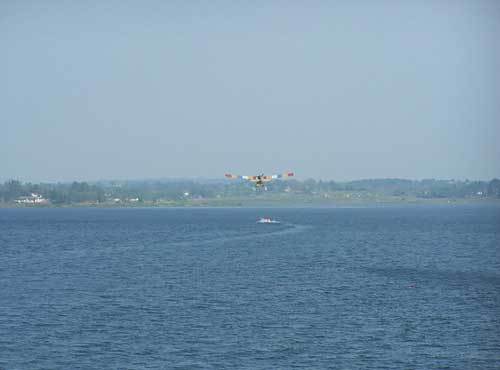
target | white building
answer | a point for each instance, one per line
(31, 199)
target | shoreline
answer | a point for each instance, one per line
(268, 203)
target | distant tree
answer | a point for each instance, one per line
(494, 188)
(13, 189)
(58, 196)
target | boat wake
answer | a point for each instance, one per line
(285, 229)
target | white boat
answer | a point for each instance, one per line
(267, 220)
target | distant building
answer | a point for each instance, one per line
(34, 198)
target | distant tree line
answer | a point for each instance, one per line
(62, 193)
(150, 191)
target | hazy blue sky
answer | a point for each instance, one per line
(330, 89)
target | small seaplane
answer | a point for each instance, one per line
(260, 180)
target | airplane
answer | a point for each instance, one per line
(259, 180)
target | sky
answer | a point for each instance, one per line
(340, 90)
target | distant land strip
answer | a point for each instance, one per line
(214, 193)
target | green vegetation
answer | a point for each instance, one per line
(224, 193)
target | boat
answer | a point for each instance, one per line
(267, 220)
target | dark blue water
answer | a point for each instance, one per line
(369, 288)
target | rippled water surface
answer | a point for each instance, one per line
(395, 288)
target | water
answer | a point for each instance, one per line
(370, 288)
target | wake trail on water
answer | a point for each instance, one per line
(290, 229)
(257, 234)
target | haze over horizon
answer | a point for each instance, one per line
(330, 90)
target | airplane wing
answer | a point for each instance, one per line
(263, 178)
(279, 176)
(234, 177)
